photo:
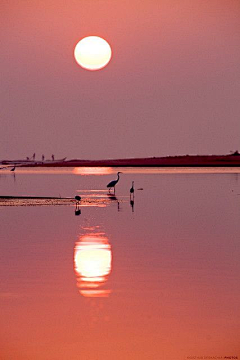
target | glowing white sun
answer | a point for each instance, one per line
(92, 53)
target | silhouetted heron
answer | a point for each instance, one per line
(132, 189)
(113, 183)
(13, 169)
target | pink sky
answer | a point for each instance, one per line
(172, 86)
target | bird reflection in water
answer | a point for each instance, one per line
(114, 198)
(77, 211)
(92, 264)
(132, 204)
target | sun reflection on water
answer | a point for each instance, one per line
(92, 264)
(92, 170)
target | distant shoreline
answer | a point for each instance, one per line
(232, 160)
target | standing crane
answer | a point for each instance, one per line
(113, 183)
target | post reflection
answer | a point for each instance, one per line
(92, 264)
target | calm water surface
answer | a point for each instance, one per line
(154, 278)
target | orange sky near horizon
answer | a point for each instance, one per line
(173, 79)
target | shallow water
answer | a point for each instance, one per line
(154, 278)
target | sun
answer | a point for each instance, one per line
(92, 53)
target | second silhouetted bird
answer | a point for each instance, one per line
(132, 189)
